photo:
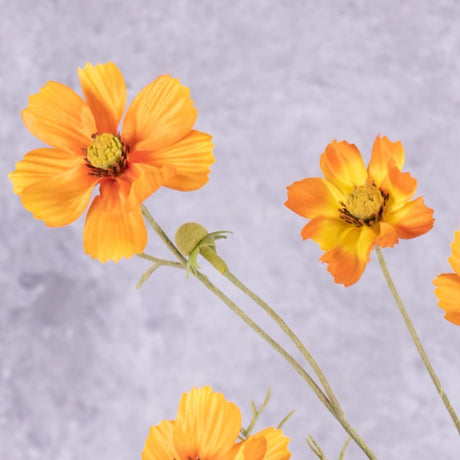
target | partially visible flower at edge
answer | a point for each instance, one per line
(448, 285)
(157, 146)
(354, 208)
(207, 427)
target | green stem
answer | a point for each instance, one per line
(299, 369)
(255, 327)
(415, 338)
(156, 260)
(290, 333)
(157, 263)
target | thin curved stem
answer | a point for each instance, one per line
(415, 338)
(296, 366)
(156, 260)
(290, 333)
(157, 263)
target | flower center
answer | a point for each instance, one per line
(105, 152)
(365, 202)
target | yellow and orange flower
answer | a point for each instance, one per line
(448, 285)
(355, 208)
(157, 146)
(206, 428)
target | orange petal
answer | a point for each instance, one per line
(140, 181)
(41, 164)
(347, 247)
(206, 425)
(343, 165)
(110, 233)
(345, 266)
(448, 293)
(59, 117)
(161, 114)
(159, 444)
(387, 236)
(413, 219)
(314, 197)
(60, 200)
(191, 158)
(400, 186)
(277, 444)
(105, 92)
(384, 152)
(254, 448)
(454, 259)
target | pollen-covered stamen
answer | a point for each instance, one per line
(106, 155)
(364, 206)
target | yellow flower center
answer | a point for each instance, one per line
(105, 152)
(365, 202)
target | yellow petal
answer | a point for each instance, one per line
(347, 247)
(347, 261)
(111, 234)
(206, 425)
(448, 293)
(61, 118)
(384, 152)
(343, 165)
(159, 444)
(59, 200)
(105, 92)
(41, 164)
(160, 115)
(324, 231)
(413, 219)
(277, 444)
(191, 158)
(314, 197)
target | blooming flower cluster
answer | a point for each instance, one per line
(351, 210)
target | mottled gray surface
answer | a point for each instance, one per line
(88, 363)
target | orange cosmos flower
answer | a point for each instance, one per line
(157, 146)
(354, 208)
(206, 428)
(448, 285)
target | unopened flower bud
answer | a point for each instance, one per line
(188, 236)
(193, 239)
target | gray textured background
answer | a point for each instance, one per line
(88, 363)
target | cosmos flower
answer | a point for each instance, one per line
(206, 428)
(448, 285)
(354, 208)
(156, 146)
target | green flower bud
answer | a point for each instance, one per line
(193, 239)
(188, 236)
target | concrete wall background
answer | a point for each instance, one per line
(88, 363)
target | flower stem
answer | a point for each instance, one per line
(415, 338)
(340, 416)
(290, 333)
(156, 264)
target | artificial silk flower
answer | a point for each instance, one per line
(206, 428)
(448, 285)
(156, 146)
(354, 208)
